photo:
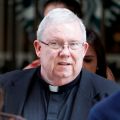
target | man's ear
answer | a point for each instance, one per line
(86, 45)
(37, 47)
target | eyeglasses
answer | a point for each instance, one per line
(71, 45)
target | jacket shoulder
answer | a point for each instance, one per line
(100, 84)
(15, 75)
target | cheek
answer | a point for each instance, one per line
(79, 57)
(78, 60)
(48, 57)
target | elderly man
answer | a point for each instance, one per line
(59, 89)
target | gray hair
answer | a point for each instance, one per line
(59, 16)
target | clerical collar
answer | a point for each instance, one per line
(60, 89)
(53, 88)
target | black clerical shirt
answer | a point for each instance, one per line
(46, 103)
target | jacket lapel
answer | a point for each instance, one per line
(84, 99)
(16, 93)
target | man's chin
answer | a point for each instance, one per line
(64, 74)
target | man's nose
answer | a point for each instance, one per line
(65, 51)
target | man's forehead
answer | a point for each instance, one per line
(69, 25)
(62, 33)
(63, 28)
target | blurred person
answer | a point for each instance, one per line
(108, 109)
(60, 89)
(72, 5)
(33, 64)
(95, 58)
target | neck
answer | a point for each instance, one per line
(57, 82)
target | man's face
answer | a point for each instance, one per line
(61, 66)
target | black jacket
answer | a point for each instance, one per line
(92, 88)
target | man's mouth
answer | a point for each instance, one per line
(64, 63)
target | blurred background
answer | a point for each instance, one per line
(19, 20)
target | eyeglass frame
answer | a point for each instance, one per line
(61, 46)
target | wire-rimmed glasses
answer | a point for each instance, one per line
(57, 45)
